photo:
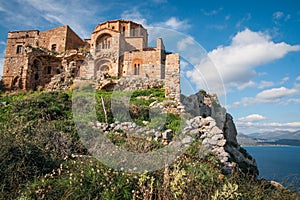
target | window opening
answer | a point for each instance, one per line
(19, 49)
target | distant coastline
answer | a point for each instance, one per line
(275, 138)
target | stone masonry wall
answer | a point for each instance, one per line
(172, 76)
(55, 36)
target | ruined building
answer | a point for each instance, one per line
(117, 48)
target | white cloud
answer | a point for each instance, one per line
(237, 62)
(255, 123)
(265, 84)
(184, 43)
(243, 20)
(293, 100)
(283, 125)
(39, 14)
(134, 15)
(288, 17)
(278, 15)
(2, 54)
(275, 94)
(183, 65)
(174, 23)
(249, 127)
(73, 13)
(211, 12)
(246, 85)
(252, 118)
(298, 78)
(284, 80)
(227, 17)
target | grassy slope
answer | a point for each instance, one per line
(41, 156)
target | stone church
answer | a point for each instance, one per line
(117, 48)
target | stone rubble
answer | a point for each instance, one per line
(205, 129)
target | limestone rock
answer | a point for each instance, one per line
(166, 135)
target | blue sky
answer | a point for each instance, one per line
(252, 49)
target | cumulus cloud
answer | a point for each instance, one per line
(274, 95)
(237, 62)
(298, 78)
(174, 23)
(256, 123)
(246, 85)
(264, 84)
(252, 118)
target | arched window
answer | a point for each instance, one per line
(53, 47)
(137, 66)
(136, 69)
(103, 42)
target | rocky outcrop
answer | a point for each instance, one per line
(222, 137)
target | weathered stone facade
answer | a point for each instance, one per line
(117, 48)
(32, 59)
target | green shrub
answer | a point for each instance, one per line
(42, 157)
(20, 163)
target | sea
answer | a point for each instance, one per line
(278, 163)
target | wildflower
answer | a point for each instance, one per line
(233, 164)
(221, 176)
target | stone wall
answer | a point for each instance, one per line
(133, 83)
(27, 49)
(73, 41)
(63, 37)
(172, 76)
(15, 60)
(149, 62)
(56, 36)
(117, 48)
(134, 43)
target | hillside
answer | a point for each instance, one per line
(43, 157)
(270, 138)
